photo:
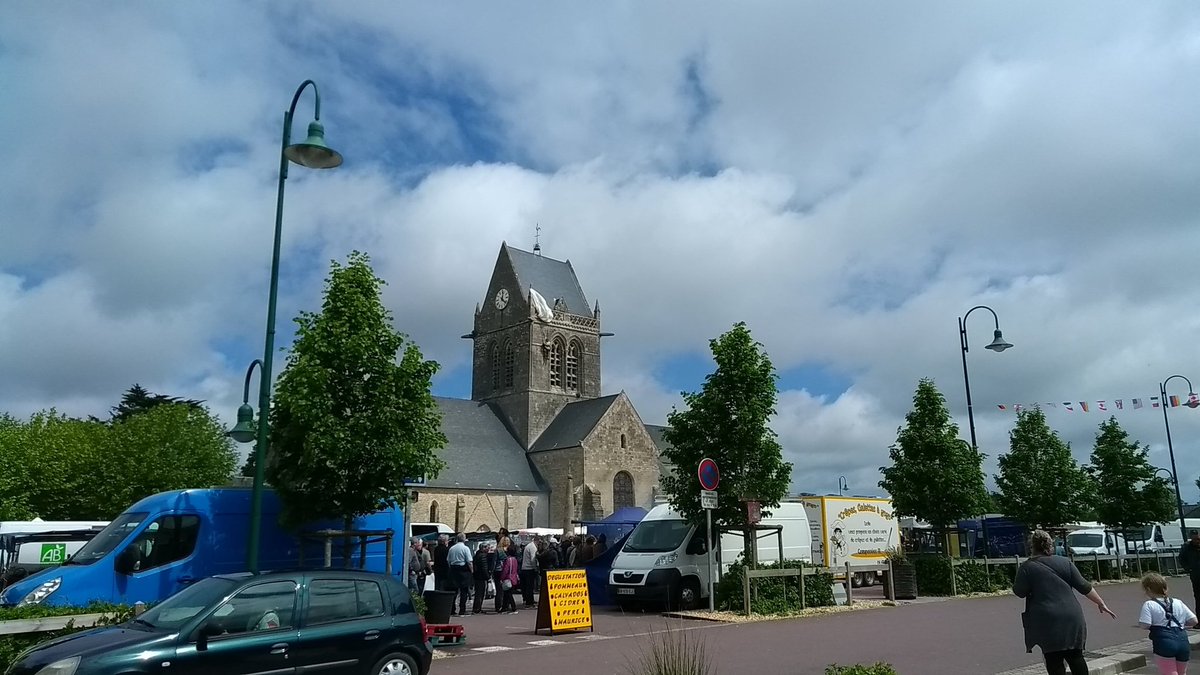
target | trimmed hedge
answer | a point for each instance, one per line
(11, 646)
(818, 590)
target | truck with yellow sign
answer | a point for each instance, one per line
(852, 529)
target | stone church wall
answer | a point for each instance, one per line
(555, 467)
(606, 457)
(469, 510)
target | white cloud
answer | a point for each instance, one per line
(847, 181)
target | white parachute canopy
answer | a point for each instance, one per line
(540, 308)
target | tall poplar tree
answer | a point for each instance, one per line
(935, 475)
(1041, 484)
(351, 421)
(727, 421)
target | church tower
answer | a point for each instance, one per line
(536, 342)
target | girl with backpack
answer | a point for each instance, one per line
(1167, 619)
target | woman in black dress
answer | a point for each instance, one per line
(1053, 619)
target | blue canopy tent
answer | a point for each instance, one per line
(615, 528)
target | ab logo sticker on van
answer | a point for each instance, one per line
(53, 554)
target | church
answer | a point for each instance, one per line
(537, 445)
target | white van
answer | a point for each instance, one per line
(665, 559)
(1095, 541)
(1159, 537)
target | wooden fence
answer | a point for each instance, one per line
(1116, 567)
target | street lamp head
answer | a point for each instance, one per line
(313, 153)
(244, 431)
(999, 344)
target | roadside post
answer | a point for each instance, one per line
(409, 496)
(709, 479)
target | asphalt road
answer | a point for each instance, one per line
(951, 637)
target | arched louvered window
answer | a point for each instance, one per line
(510, 363)
(622, 490)
(556, 363)
(574, 353)
(433, 512)
(494, 364)
(529, 516)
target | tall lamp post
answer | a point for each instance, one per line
(1162, 398)
(843, 486)
(998, 344)
(314, 154)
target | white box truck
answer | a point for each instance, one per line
(852, 529)
(665, 559)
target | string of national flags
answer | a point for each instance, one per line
(1190, 401)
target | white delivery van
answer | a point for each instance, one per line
(1095, 541)
(27, 547)
(1160, 537)
(665, 559)
(852, 529)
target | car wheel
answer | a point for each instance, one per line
(396, 664)
(689, 594)
(856, 580)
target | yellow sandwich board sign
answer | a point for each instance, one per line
(564, 604)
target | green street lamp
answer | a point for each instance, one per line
(245, 431)
(314, 154)
(1162, 391)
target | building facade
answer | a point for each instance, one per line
(537, 445)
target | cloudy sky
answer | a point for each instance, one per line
(846, 178)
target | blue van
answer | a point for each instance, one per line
(172, 539)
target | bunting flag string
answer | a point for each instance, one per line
(1122, 404)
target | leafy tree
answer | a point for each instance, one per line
(1041, 484)
(350, 423)
(138, 399)
(60, 468)
(727, 421)
(169, 447)
(935, 475)
(1128, 493)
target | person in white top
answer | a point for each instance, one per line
(529, 572)
(1167, 619)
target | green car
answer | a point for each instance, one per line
(336, 622)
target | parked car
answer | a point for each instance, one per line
(340, 622)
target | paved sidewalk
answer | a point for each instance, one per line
(949, 637)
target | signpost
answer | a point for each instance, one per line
(709, 479)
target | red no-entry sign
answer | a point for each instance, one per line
(708, 474)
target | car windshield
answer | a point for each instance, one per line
(657, 536)
(177, 610)
(1085, 540)
(108, 539)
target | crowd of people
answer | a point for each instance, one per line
(497, 568)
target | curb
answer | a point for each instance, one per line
(1116, 663)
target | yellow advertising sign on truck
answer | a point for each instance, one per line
(852, 529)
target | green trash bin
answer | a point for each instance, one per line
(438, 605)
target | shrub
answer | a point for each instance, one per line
(418, 603)
(11, 646)
(933, 574)
(859, 669)
(771, 592)
(673, 652)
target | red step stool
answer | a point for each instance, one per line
(445, 634)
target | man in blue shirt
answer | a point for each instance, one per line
(459, 559)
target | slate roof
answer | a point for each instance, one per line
(480, 451)
(553, 279)
(574, 423)
(656, 434)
